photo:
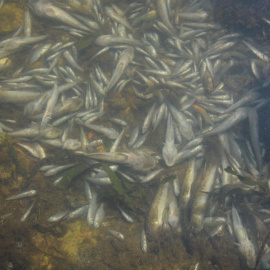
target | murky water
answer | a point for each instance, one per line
(184, 79)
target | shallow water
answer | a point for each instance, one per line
(73, 244)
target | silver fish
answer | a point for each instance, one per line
(27, 212)
(39, 52)
(100, 214)
(205, 186)
(46, 9)
(246, 247)
(169, 150)
(143, 241)
(17, 96)
(22, 195)
(78, 212)
(58, 216)
(50, 107)
(157, 213)
(109, 40)
(125, 58)
(239, 115)
(117, 235)
(57, 169)
(126, 216)
(113, 15)
(111, 133)
(163, 14)
(254, 135)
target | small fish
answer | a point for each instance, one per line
(150, 176)
(14, 44)
(246, 247)
(184, 127)
(117, 141)
(50, 107)
(125, 58)
(138, 160)
(169, 150)
(163, 14)
(259, 54)
(199, 15)
(34, 149)
(100, 181)
(58, 216)
(133, 135)
(92, 209)
(109, 40)
(87, 191)
(148, 118)
(157, 213)
(117, 235)
(27, 23)
(1, 3)
(23, 195)
(113, 15)
(78, 212)
(239, 115)
(17, 96)
(57, 169)
(143, 241)
(27, 212)
(71, 61)
(140, 141)
(187, 182)
(254, 135)
(111, 133)
(46, 9)
(39, 52)
(126, 216)
(200, 201)
(100, 214)
(161, 113)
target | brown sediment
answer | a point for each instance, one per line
(75, 245)
(11, 17)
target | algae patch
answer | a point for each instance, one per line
(11, 18)
(77, 233)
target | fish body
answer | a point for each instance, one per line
(22, 195)
(163, 14)
(111, 133)
(169, 150)
(109, 40)
(246, 247)
(254, 135)
(125, 58)
(138, 160)
(239, 115)
(113, 15)
(46, 9)
(199, 205)
(100, 214)
(117, 235)
(50, 107)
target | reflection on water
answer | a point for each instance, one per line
(130, 136)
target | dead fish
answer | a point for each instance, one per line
(46, 9)
(125, 58)
(117, 235)
(239, 115)
(22, 195)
